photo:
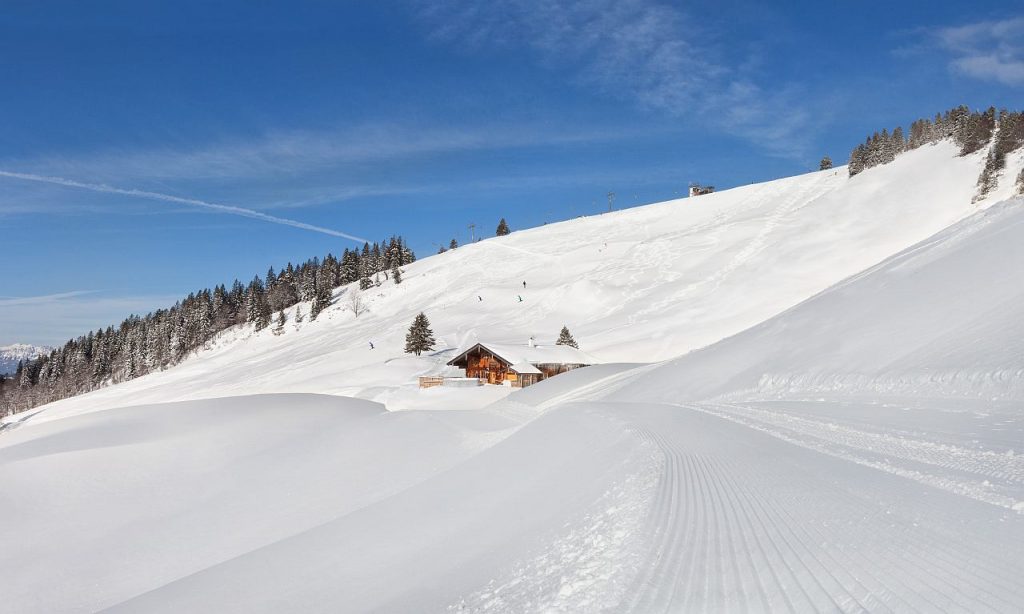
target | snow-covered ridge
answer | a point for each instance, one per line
(11, 355)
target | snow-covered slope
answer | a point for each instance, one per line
(940, 319)
(11, 355)
(639, 285)
(859, 451)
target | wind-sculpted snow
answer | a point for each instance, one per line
(101, 507)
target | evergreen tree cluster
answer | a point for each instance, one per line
(970, 130)
(1009, 137)
(879, 148)
(141, 345)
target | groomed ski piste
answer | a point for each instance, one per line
(811, 399)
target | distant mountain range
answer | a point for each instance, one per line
(11, 354)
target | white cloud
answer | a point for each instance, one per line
(288, 154)
(11, 301)
(191, 202)
(987, 50)
(639, 50)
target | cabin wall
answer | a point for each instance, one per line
(486, 367)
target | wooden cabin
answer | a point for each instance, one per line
(519, 366)
(697, 189)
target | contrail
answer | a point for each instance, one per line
(256, 215)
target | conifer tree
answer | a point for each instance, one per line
(502, 228)
(454, 244)
(279, 326)
(857, 160)
(271, 280)
(396, 275)
(825, 164)
(349, 266)
(897, 142)
(257, 309)
(565, 338)
(419, 338)
(322, 292)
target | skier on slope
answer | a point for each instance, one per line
(524, 285)
(519, 297)
(371, 345)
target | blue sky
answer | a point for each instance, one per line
(153, 148)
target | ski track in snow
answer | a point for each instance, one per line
(805, 193)
(998, 476)
(730, 534)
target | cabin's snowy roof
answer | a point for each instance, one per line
(534, 355)
(524, 368)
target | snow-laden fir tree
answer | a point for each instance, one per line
(565, 338)
(857, 160)
(322, 292)
(270, 281)
(279, 326)
(502, 228)
(257, 309)
(454, 244)
(307, 283)
(349, 266)
(825, 164)
(396, 275)
(419, 338)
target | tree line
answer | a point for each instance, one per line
(162, 338)
(971, 131)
